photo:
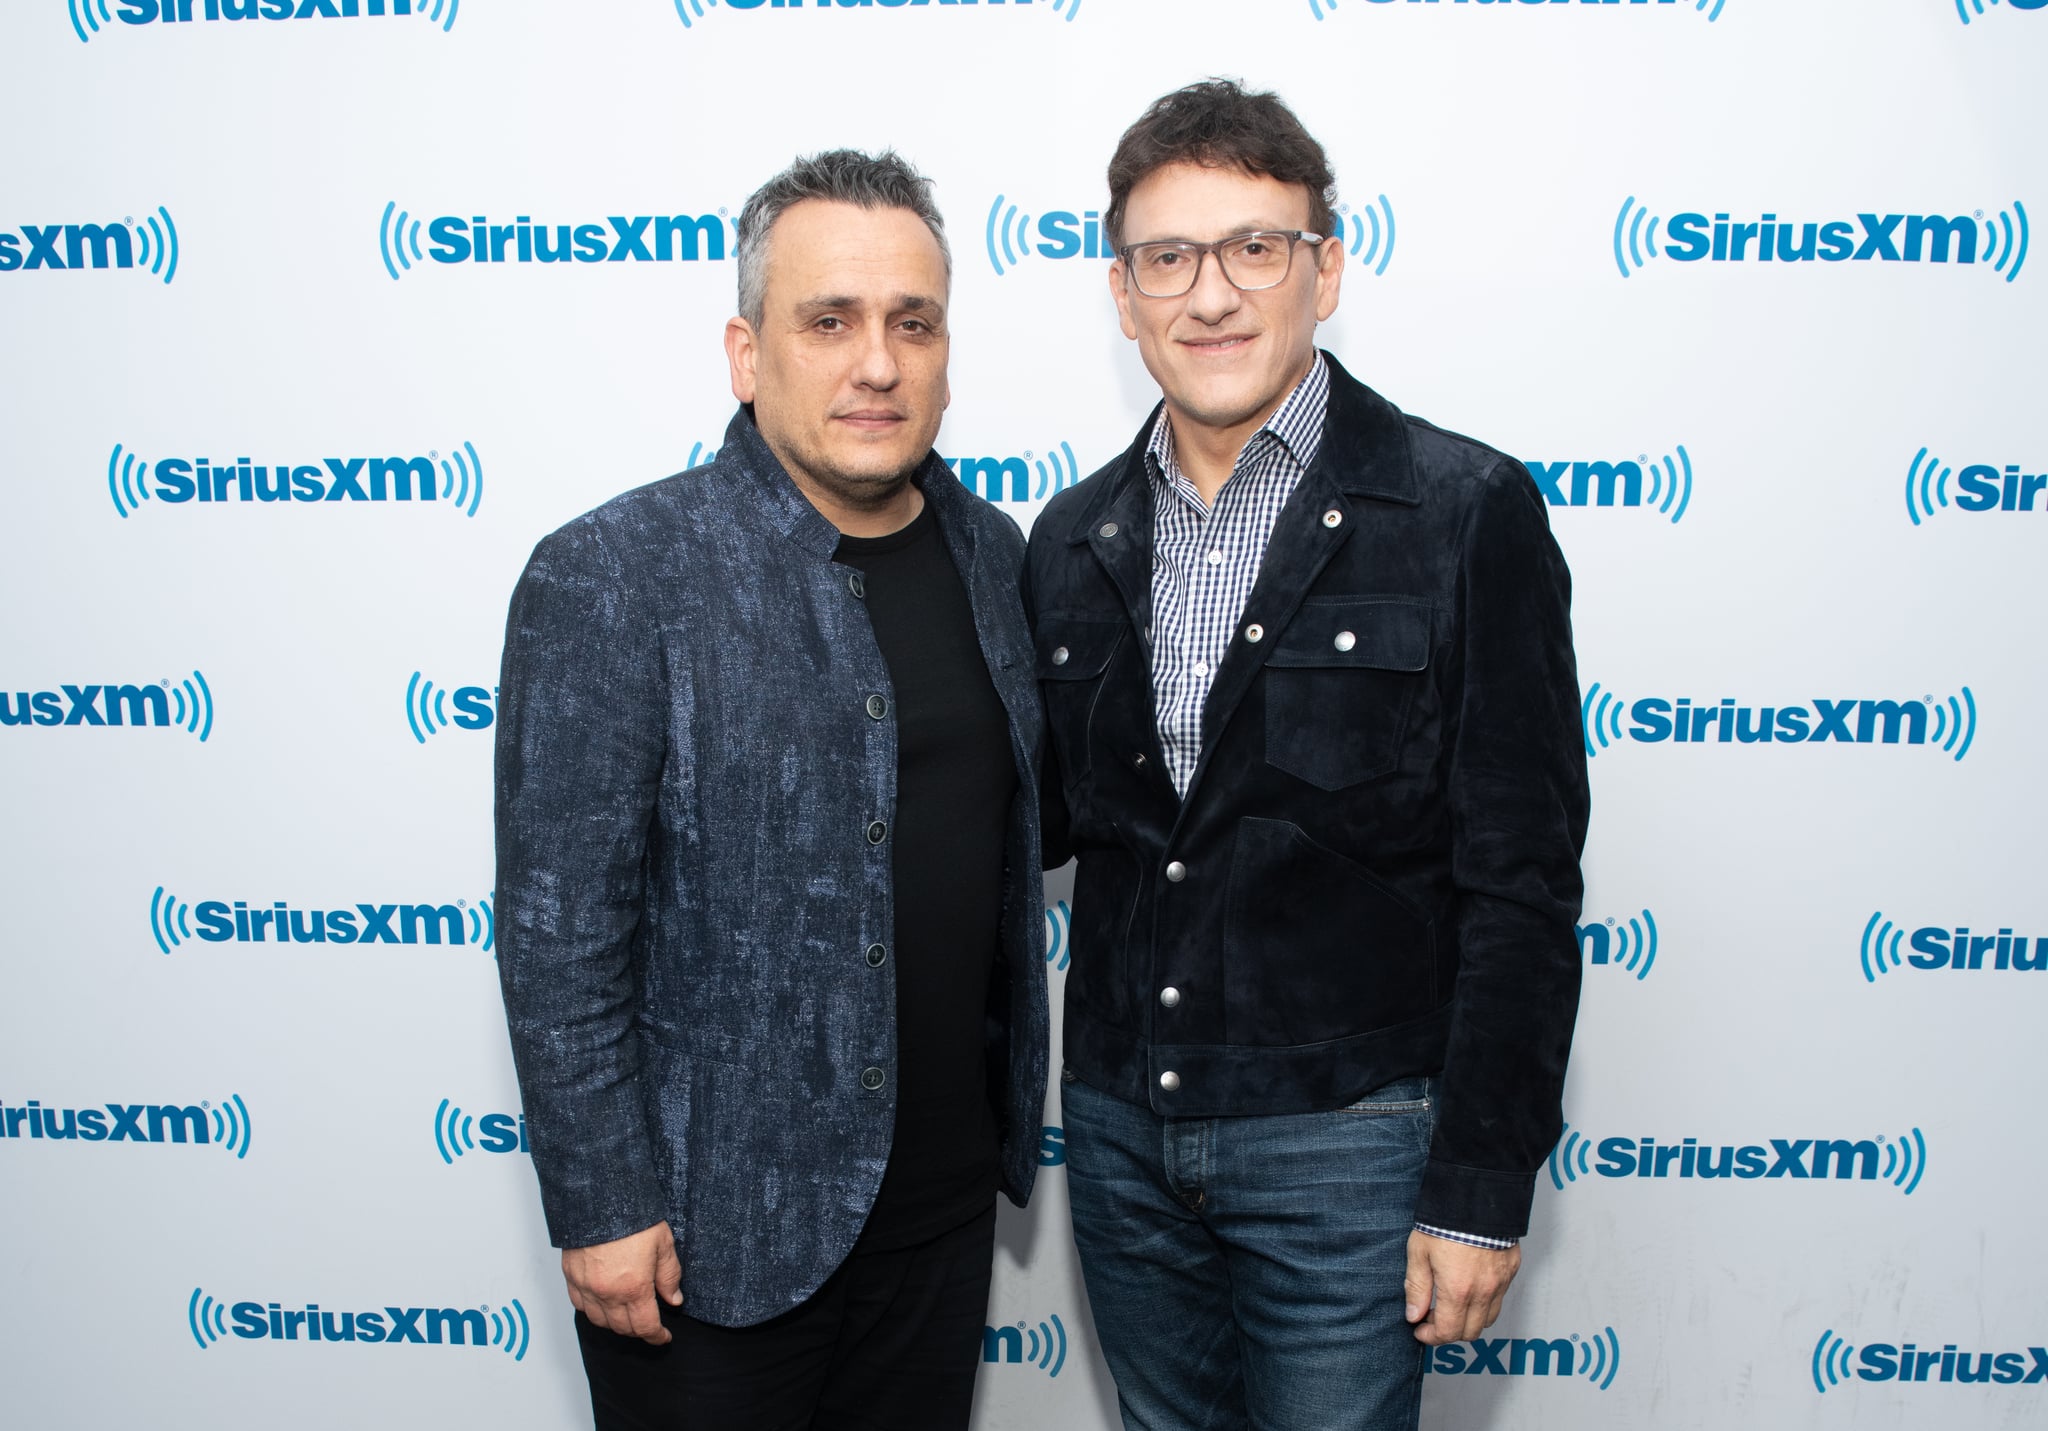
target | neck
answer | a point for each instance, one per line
(875, 512)
(1207, 453)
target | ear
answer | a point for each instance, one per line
(1120, 294)
(740, 352)
(1329, 276)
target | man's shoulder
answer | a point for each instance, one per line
(1064, 516)
(649, 518)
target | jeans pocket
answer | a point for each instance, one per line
(1403, 1095)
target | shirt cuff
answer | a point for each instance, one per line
(1469, 1239)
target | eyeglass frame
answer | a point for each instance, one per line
(1203, 250)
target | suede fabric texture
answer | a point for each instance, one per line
(693, 808)
(1381, 839)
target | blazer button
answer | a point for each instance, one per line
(1176, 872)
(857, 585)
(871, 1079)
(876, 955)
(1255, 633)
(1109, 529)
(1059, 655)
(1345, 641)
(1170, 1081)
(1332, 517)
(877, 707)
(1169, 997)
(877, 832)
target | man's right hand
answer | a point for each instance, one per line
(615, 1283)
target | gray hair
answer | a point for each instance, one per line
(845, 176)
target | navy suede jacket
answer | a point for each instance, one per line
(1375, 869)
(694, 796)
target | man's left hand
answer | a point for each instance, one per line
(1455, 1290)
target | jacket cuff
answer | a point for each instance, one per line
(1480, 1201)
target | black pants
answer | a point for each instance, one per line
(891, 1342)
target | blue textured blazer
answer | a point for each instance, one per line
(694, 857)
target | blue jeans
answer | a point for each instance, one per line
(1246, 1273)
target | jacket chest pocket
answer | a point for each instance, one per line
(1341, 685)
(1072, 655)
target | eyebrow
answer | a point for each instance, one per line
(902, 302)
(1254, 228)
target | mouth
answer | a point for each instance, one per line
(872, 419)
(1217, 345)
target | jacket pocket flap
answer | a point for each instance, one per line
(1376, 633)
(1071, 650)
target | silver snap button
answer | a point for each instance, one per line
(871, 1079)
(1109, 529)
(1169, 1080)
(1255, 633)
(1169, 998)
(857, 585)
(1176, 872)
(1138, 760)
(877, 707)
(877, 832)
(1060, 655)
(1345, 641)
(876, 955)
(1332, 517)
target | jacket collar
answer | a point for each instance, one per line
(789, 512)
(1365, 453)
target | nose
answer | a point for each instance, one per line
(875, 365)
(1214, 297)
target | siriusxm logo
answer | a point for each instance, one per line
(225, 1125)
(1630, 946)
(1662, 487)
(1893, 238)
(1968, 9)
(427, 706)
(506, 1329)
(187, 705)
(89, 17)
(646, 238)
(1052, 1147)
(1043, 1346)
(223, 921)
(1597, 1358)
(1009, 479)
(151, 246)
(692, 11)
(1935, 947)
(1900, 1163)
(1010, 236)
(1981, 487)
(459, 480)
(1836, 1361)
(1948, 725)
(1059, 933)
(1710, 8)
(492, 1133)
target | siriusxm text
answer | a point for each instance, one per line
(422, 1326)
(171, 12)
(646, 238)
(1801, 1158)
(1505, 1356)
(221, 923)
(60, 246)
(1846, 722)
(1937, 948)
(109, 1123)
(1886, 1361)
(109, 704)
(333, 479)
(1986, 489)
(1891, 238)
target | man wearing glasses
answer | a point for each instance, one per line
(1314, 741)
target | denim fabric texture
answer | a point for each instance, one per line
(693, 807)
(1373, 871)
(1247, 1272)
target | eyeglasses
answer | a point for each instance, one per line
(1249, 261)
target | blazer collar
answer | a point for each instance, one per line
(789, 512)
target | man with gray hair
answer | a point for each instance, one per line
(771, 922)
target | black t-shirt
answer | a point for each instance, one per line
(955, 781)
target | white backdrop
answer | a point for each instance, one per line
(1526, 185)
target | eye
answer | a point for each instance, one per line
(830, 323)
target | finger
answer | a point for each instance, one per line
(668, 1273)
(643, 1320)
(1419, 1285)
(1452, 1317)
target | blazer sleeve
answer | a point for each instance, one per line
(1054, 821)
(1518, 804)
(580, 745)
